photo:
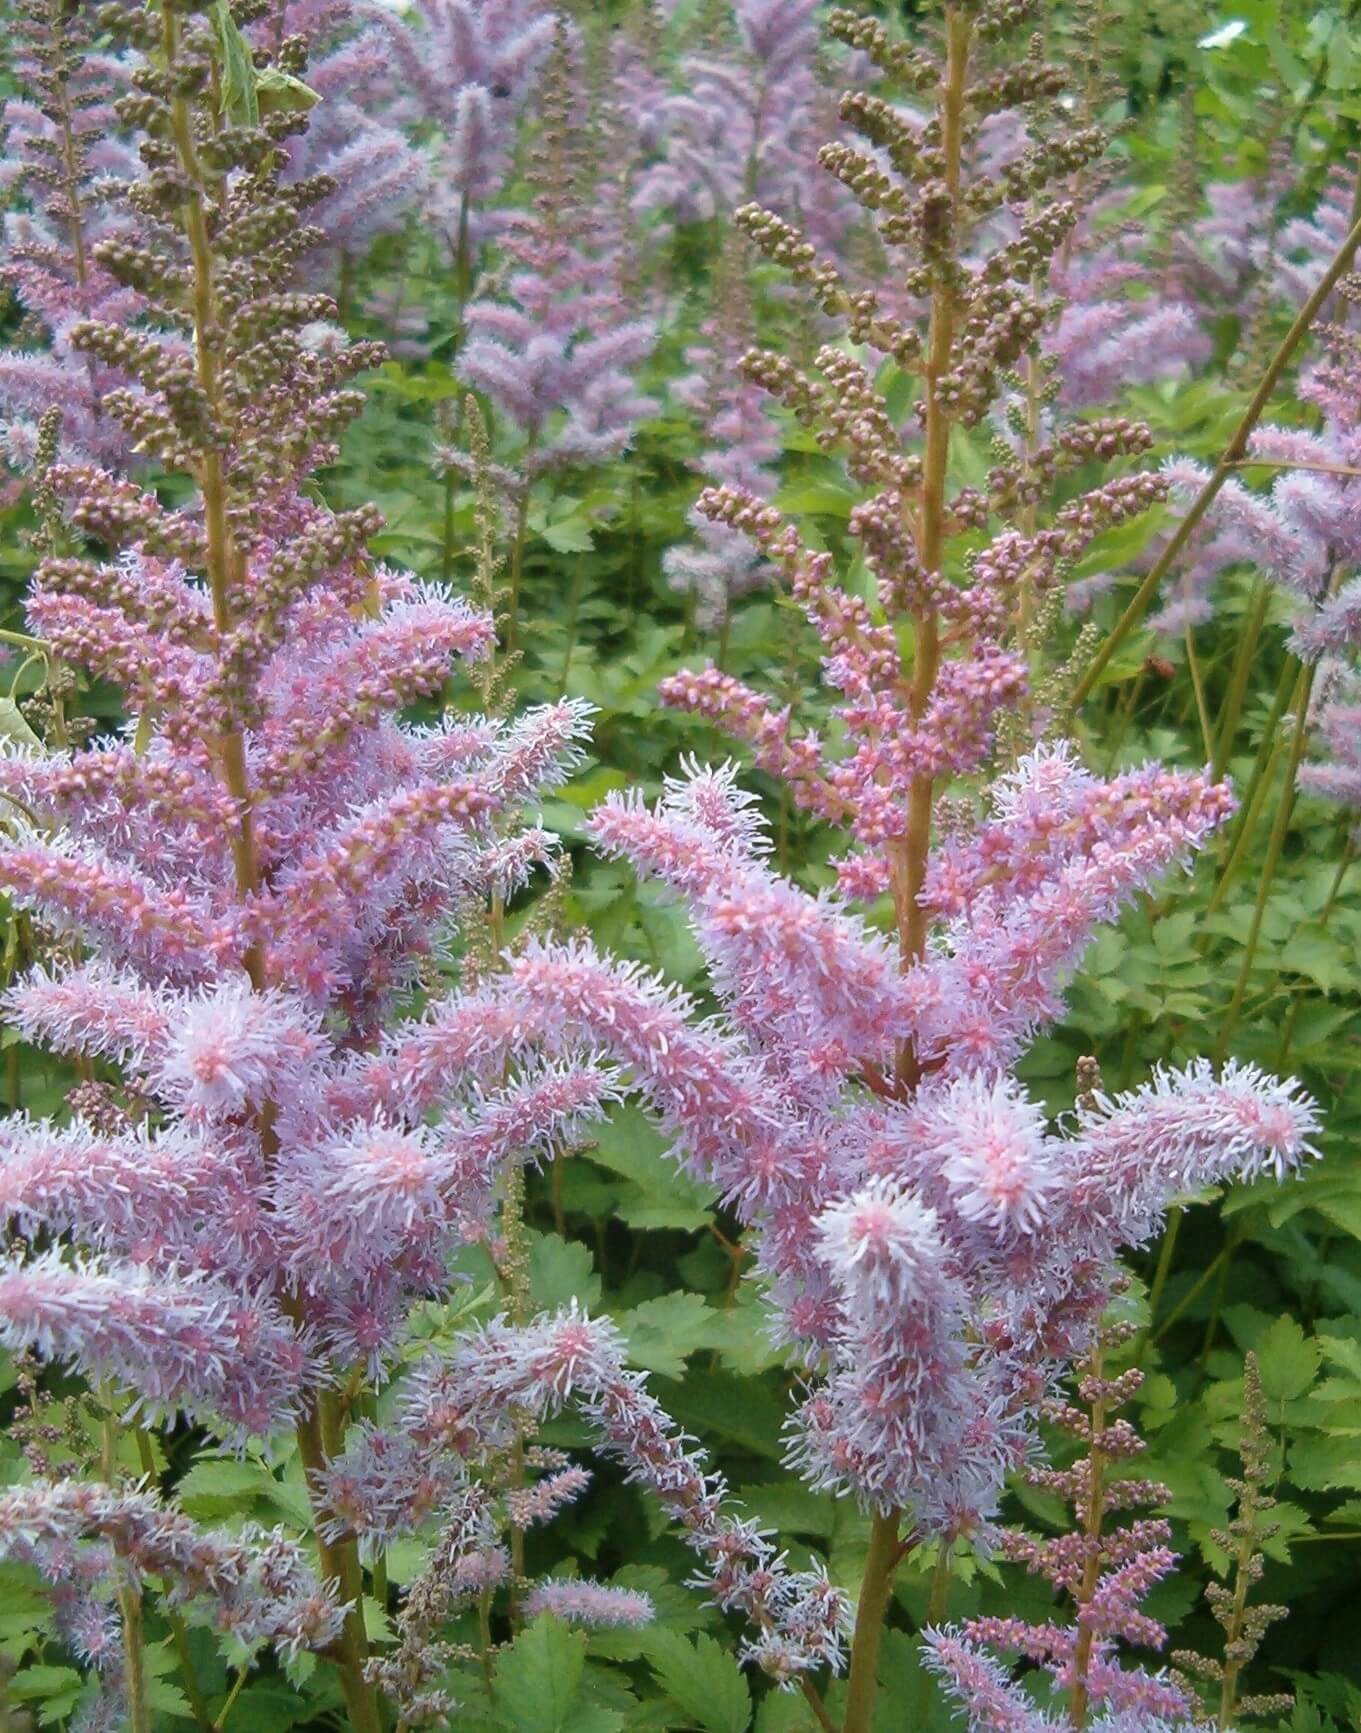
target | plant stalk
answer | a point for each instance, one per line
(340, 1561)
(876, 1589)
(1275, 845)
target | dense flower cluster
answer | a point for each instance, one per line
(64, 152)
(252, 902)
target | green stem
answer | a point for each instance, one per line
(1221, 1288)
(1198, 687)
(1164, 1269)
(129, 1599)
(317, 1443)
(1263, 770)
(1231, 713)
(1124, 715)
(517, 558)
(178, 1630)
(1201, 1281)
(243, 1673)
(446, 564)
(816, 1704)
(724, 632)
(1233, 451)
(876, 1588)
(573, 609)
(937, 1606)
(1275, 846)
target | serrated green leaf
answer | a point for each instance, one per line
(215, 1488)
(569, 535)
(1321, 1464)
(538, 1678)
(663, 1333)
(703, 1678)
(1288, 1361)
(561, 1271)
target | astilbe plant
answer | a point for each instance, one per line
(461, 72)
(380, 177)
(252, 885)
(65, 159)
(742, 445)
(228, 1229)
(745, 124)
(933, 1250)
(1243, 1621)
(558, 351)
(1300, 536)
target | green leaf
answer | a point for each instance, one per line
(662, 1195)
(561, 1270)
(538, 1683)
(279, 92)
(703, 1678)
(271, 1708)
(14, 727)
(1315, 953)
(662, 1333)
(240, 103)
(214, 1489)
(739, 1409)
(1288, 1361)
(818, 499)
(55, 1689)
(1319, 1464)
(569, 535)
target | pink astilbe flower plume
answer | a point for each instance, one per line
(66, 157)
(255, 1585)
(464, 70)
(584, 1602)
(558, 351)
(741, 444)
(270, 864)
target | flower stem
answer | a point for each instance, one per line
(178, 1629)
(1275, 846)
(340, 1560)
(129, 1596)
(1263, 771)
(876, 1588)
(1093, 1517)
(1232, 710)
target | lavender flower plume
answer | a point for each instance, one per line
(558, 352)
(66, 157)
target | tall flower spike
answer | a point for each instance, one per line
(558, 354)
(64, 153)
(1104, 1570)
(741, 444)
(1243, 1622)
(267, 867)
(934, 1250)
